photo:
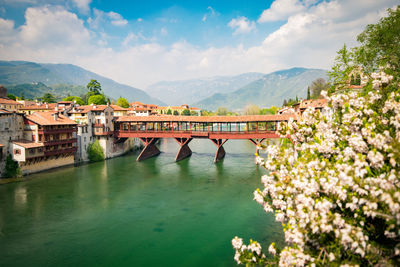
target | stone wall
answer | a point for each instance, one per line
(50, 163)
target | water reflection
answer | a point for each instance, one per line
(20, 196)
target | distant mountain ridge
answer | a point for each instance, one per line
(194, 90)
(269, 90)
(13, 73)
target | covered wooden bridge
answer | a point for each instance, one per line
(183, 129)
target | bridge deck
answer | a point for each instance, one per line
(184, 128)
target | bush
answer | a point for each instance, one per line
(97, 100)
(12, 169)
(95, 152)
(122, 102)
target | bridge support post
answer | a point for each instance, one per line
(220, 154)
(257, 142)
(184, 150)
(149, 150)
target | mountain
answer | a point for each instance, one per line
(63, 78)
(267, 91)
(191, 91)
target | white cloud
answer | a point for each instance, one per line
(242, 25)
(83, 5)
(309, 39)
(100, 18)
(281, 10)
(117, 19)
(210, 13)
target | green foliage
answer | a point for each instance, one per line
(193, 113)
(185, 112)
(122, 102)
(222, 111)
(308, 93)
(78, 100)
(94, 87)
(12, 169)
(176, 113)
(380, 45)
(317, 86)
(48, 98)
(339, 75)
(169, 112)
(290, 102)
(95, 152)
(269, 111)
(11, 96)
(97, 100)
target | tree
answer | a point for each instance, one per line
(185, 112)
(123, 102)
(97, 100)
(193, 113)
(48, 98)
(94, 87)
(317, 86)
(76, 99)
(284, 103)
(176, 113)
(269, 111)
(169, 112)
(11, 96)
(308, 93)
(252, 110)
(95, 152)
(380, 45)
(222, 111)
(357, 81)
(11, 169)
(336, 190)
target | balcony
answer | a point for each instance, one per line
(54, 131)
(102, 131)
(60, 151)
(59, 142)
(98, 125)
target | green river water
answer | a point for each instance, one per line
(126, 213)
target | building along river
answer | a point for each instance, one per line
(126, 213)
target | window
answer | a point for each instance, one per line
(31, 151)
(106, 113)
(84, 139)
(17, 151)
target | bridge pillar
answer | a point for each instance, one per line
(149, 150)
(220, 154)
(184, 150)
(257, 142)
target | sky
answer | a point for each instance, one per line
(141, 42)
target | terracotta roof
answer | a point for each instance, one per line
(47, 118)
(9, 101)
(166, 118)
(118, 108)
(28, 144)
(140, 109)
(1, 145)
(50, 106)
(315, 103)
(2, 110)
(65, 102)
(194, 108)
(87, 108)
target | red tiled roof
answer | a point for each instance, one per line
(27, 144)
(50, 106)
(65, 102)
(118, 108)
(2, 110)
(166, 118)
(47, 118)
(9, 101)
(315, 103)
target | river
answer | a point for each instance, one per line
(126, 213)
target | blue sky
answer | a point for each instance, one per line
(142, 42)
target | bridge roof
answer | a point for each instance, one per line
(171, 118)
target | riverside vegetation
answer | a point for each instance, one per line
(336, 191)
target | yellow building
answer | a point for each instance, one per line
(9, 104)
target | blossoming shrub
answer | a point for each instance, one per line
(337, 189)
